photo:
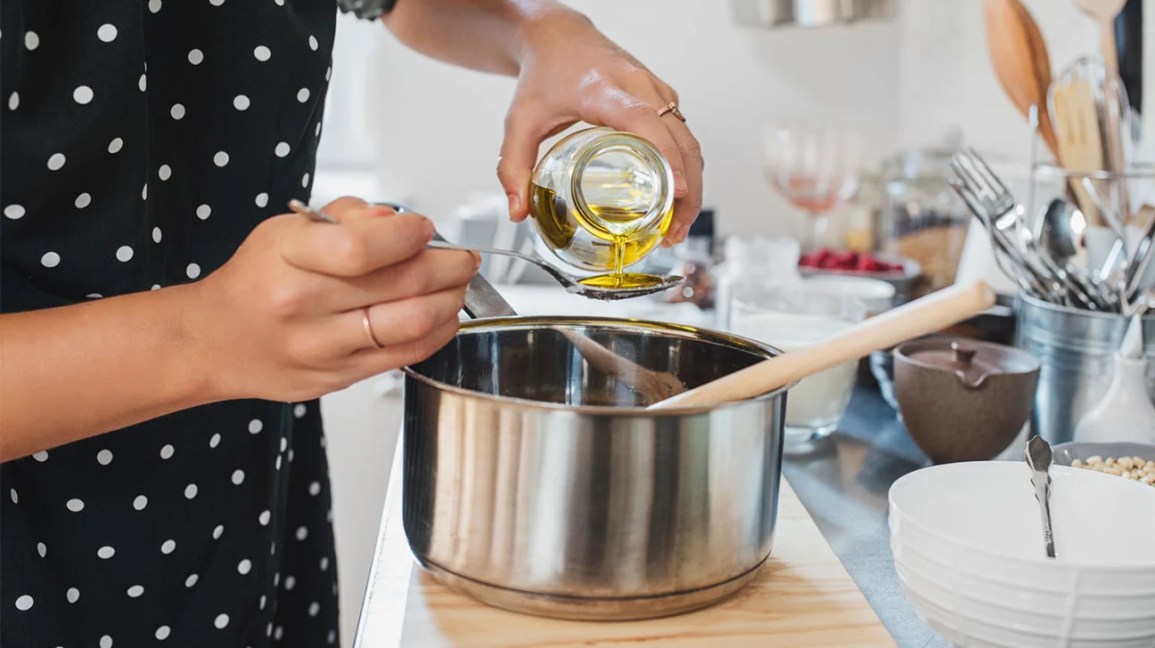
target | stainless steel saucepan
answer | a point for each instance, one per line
(535, 480)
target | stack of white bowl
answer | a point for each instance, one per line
(968, 548)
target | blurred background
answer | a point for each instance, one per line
(915, 80)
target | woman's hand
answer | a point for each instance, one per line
(284, 319)
(570, 72)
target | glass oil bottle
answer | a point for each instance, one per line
(601, 201)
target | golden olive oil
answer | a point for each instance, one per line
(613, 226)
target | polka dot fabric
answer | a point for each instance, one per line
(141, 142)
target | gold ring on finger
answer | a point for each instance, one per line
(672, 109)
(368, 326)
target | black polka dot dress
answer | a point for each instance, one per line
(142, 140)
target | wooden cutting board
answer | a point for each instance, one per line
(802, 597)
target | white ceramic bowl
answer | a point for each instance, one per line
(968, 549)
(877, 295)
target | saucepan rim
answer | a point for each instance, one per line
(702, 334)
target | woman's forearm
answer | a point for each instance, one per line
(77, 371)
(484, 35)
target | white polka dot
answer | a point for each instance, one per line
(238, 477)
(82, 94)
(262, 605)
(177, 111)
(168, 547)
(299, 410)
(193, 271)
(264, 518)
(217, 531)
(50, 260)
(278, 633)
(290, 583)
(216, 3)
(191, 580)
(123, 253)
(313, 44)
(290, 455)
(203, 212)
(221, 158)
(140, 502)
(279, 3)
(272, 549)
(106, 33)
(190, 491)
(73, 595)
(269, 629)
(14, 101)
(262, 199)
(277, 463)
(154, 5)
(241, 102)
(332, 638)
(94, 296)
(314, 608)
(106, 552)
(328, 72)
(314, 488)
(155, 287)
(42, 549)
(167, 451)
(276, 579)
(162, 633)
(24, 603)
(56, 162)
(195, 56)
(282, 149)
(284, 443)
(317, 130)
(135, 591)
(302, 533)
(303, 95)
(115, 145)
(215, 440)
(75, 505)
(31, 40)
(41, 456)
(143, 82)
(325, 563)
(104, 457)
(244, 566)
(156, 235)
(255, 426)
(83, 200)
(164, 172)
(144, 192)
(262, 53)
(14, 212)
(106, 642)
(305, 180)
(221, 621)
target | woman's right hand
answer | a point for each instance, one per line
(283, 318)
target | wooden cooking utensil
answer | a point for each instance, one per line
(1074, 113)
(1104, 12)
(914, 319)
(1022, 64)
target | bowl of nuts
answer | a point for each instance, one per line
(1135, 461)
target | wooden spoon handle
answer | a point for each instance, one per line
(914, 319)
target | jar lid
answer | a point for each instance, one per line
(971, 360)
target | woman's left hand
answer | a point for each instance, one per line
(570, 72)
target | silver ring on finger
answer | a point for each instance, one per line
(368, 326)
(672, 109)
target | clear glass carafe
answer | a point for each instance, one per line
(602, 200)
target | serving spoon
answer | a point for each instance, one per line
(571, 283)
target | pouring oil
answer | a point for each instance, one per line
(602, 200)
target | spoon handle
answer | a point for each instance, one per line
(444, 245)
(914, 319)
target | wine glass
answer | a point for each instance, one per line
(815, 167)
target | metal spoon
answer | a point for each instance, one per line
(1038, 455)
(570, 283)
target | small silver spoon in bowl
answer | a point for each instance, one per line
(570, 283)
(1039, 458)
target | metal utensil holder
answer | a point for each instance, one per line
(1076, 349)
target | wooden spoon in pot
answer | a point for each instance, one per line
(914, 319)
